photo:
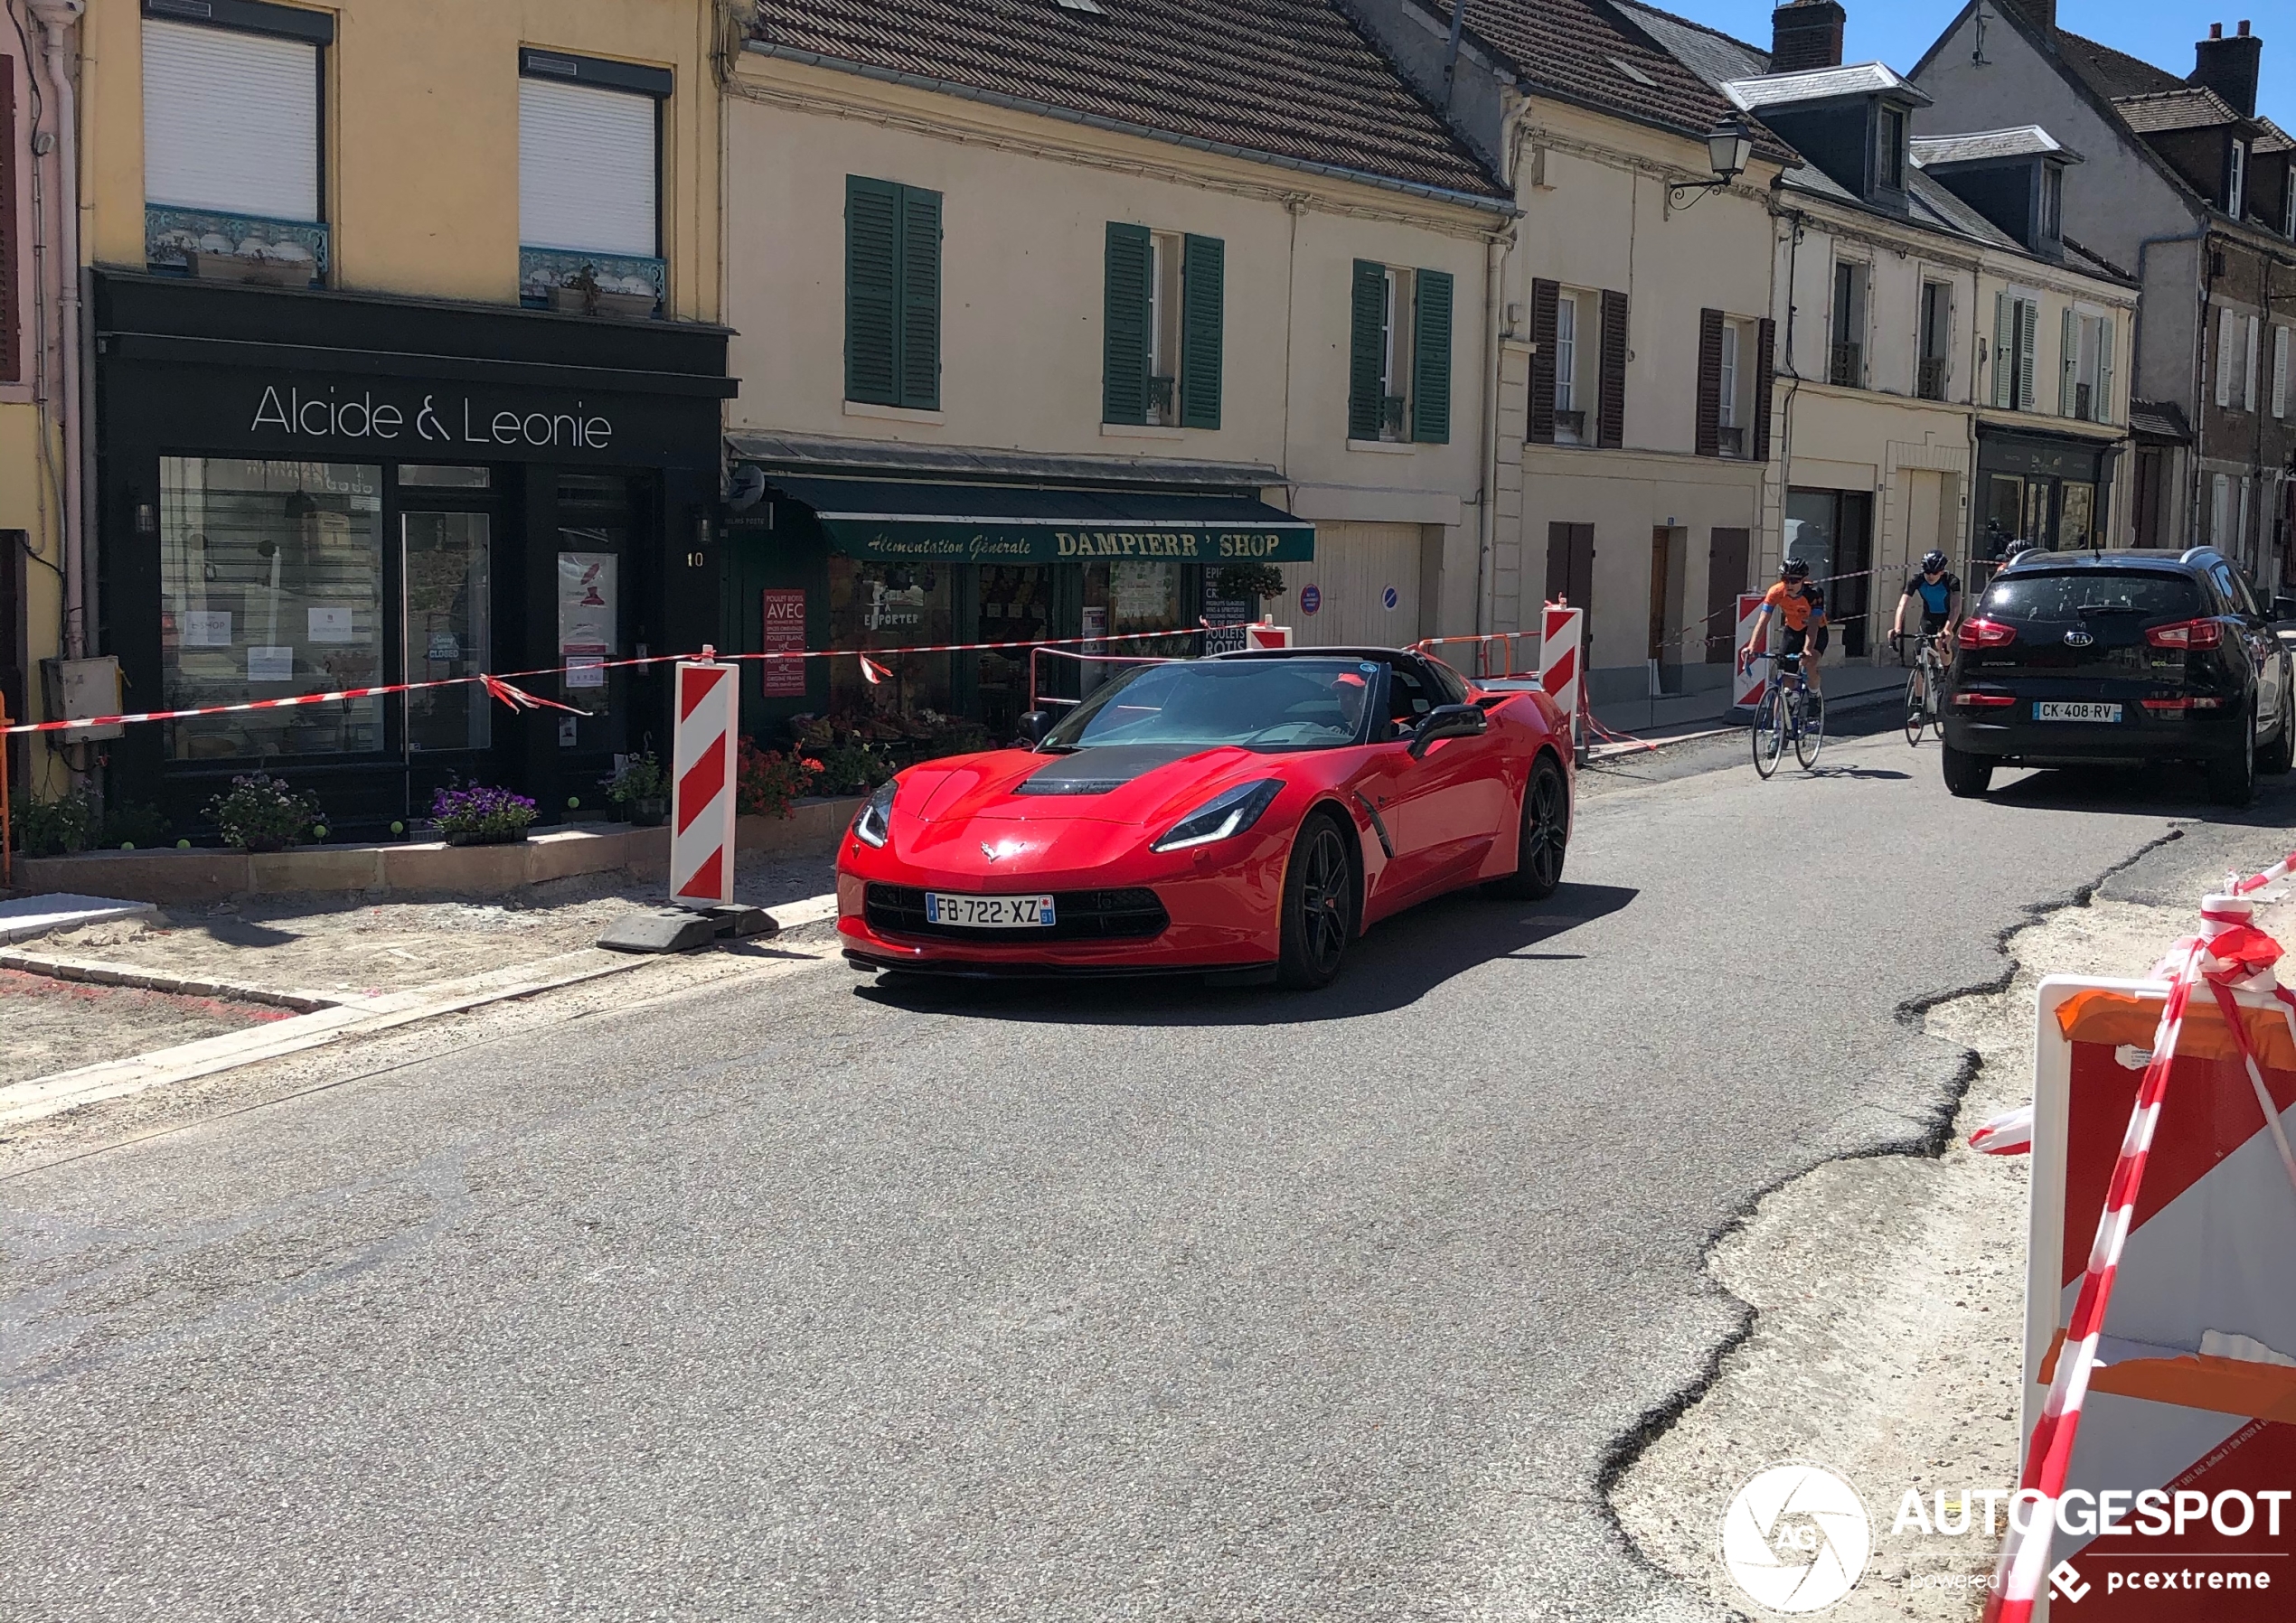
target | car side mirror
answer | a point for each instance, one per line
(1035, 724)
(1446, 721)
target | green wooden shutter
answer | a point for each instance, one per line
(2004, 352)
(2068, 361)
(920, 367)
(1431, 360)
(1203, 336)
(1364, 359)
(872, 277)
(1124, 379)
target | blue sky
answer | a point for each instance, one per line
(1897, 31)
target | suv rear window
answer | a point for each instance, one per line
(2146, 593)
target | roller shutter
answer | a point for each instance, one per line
(587, 163)
(231, 121)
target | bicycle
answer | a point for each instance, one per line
(1784, 713)
(1922, 688)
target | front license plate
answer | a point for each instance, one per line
(2070, 709)
(989, 913)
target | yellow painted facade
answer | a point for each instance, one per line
(420, 181)
(420, 138)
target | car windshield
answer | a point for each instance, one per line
(1260, 704)
(2075, 594)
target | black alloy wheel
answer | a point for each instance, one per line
(1319, 905)
(2232, 776)
(1545, 837)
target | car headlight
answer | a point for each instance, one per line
(1222, 817)
(873, 824)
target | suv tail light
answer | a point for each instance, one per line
(2186, 634)
(1986, 634)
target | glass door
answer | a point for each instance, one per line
(446, 574)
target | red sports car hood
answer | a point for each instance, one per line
(1130, 783)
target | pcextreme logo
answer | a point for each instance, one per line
(1796, 1538)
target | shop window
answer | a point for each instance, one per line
(596, 515)
(889, 606)
(589, 183)
(1164, 331)
(1399, 355)
(1016, 606)
(270, 586)
(231, 146)
(1121, 599)
(447, 581)
(892, 293)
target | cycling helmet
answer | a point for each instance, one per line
(1931, 562)
(1794, 568)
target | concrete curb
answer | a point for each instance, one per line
(100, 974)
(51, 1095)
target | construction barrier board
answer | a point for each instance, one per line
(1753, 679)
(705, 756)
(2194, 1389)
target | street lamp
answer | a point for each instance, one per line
(1728, 145)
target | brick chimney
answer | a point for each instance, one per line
(2040, 13)
(1806, 33)
(2230, 66)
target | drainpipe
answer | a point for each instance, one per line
(57, 19)
(1494, 292)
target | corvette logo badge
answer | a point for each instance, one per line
(991, 852)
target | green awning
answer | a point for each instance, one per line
(893, 521)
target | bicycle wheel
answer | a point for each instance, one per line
(1769, 733)
(1809, 731)
(1917, 707)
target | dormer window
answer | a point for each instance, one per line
(2052, 203)
(1889, 168)
(2237, 191)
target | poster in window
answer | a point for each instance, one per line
(207, 628)
(270, 664)
(329, 625)
(586, 606)
(783, 632)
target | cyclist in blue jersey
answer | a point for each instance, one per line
(1939, 590)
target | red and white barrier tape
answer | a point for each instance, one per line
(500, 687)
(2230, 953)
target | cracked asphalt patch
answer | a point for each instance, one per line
(1884, 1339)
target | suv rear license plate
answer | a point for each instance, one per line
(2068, 709)
(989, 913)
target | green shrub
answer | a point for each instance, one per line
(134, 823)
(55, 828)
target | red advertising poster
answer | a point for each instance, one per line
(785, 632)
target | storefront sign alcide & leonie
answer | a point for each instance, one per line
(450, 420)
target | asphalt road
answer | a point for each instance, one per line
(827, 1301)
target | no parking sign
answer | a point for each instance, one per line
(1310, 598)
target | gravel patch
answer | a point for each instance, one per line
(56, 1025)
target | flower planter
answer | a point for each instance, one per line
(649, 814)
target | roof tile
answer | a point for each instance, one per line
(1290, 79)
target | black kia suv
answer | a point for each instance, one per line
(2074, 658)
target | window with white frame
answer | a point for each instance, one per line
(1846, 364)
(2227, 355)
(1395, 355)
(590, 176)
(2249, 355)
(232, 118)
(1164, 255)
(1574, 314)
(2236, 190)
(2087, 368)
(2220, 533)
(1935, 337)
(2017, 324)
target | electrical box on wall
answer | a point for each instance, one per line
(78, 687)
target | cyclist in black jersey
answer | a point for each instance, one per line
(1939, 591)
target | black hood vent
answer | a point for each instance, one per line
(1101, 771)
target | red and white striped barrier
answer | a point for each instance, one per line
(1261, 636)
(1753, 675)
(701, 792)
(1562, 660)
(2193, 1389)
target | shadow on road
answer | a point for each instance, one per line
(1401, 961)
(2173, 790)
